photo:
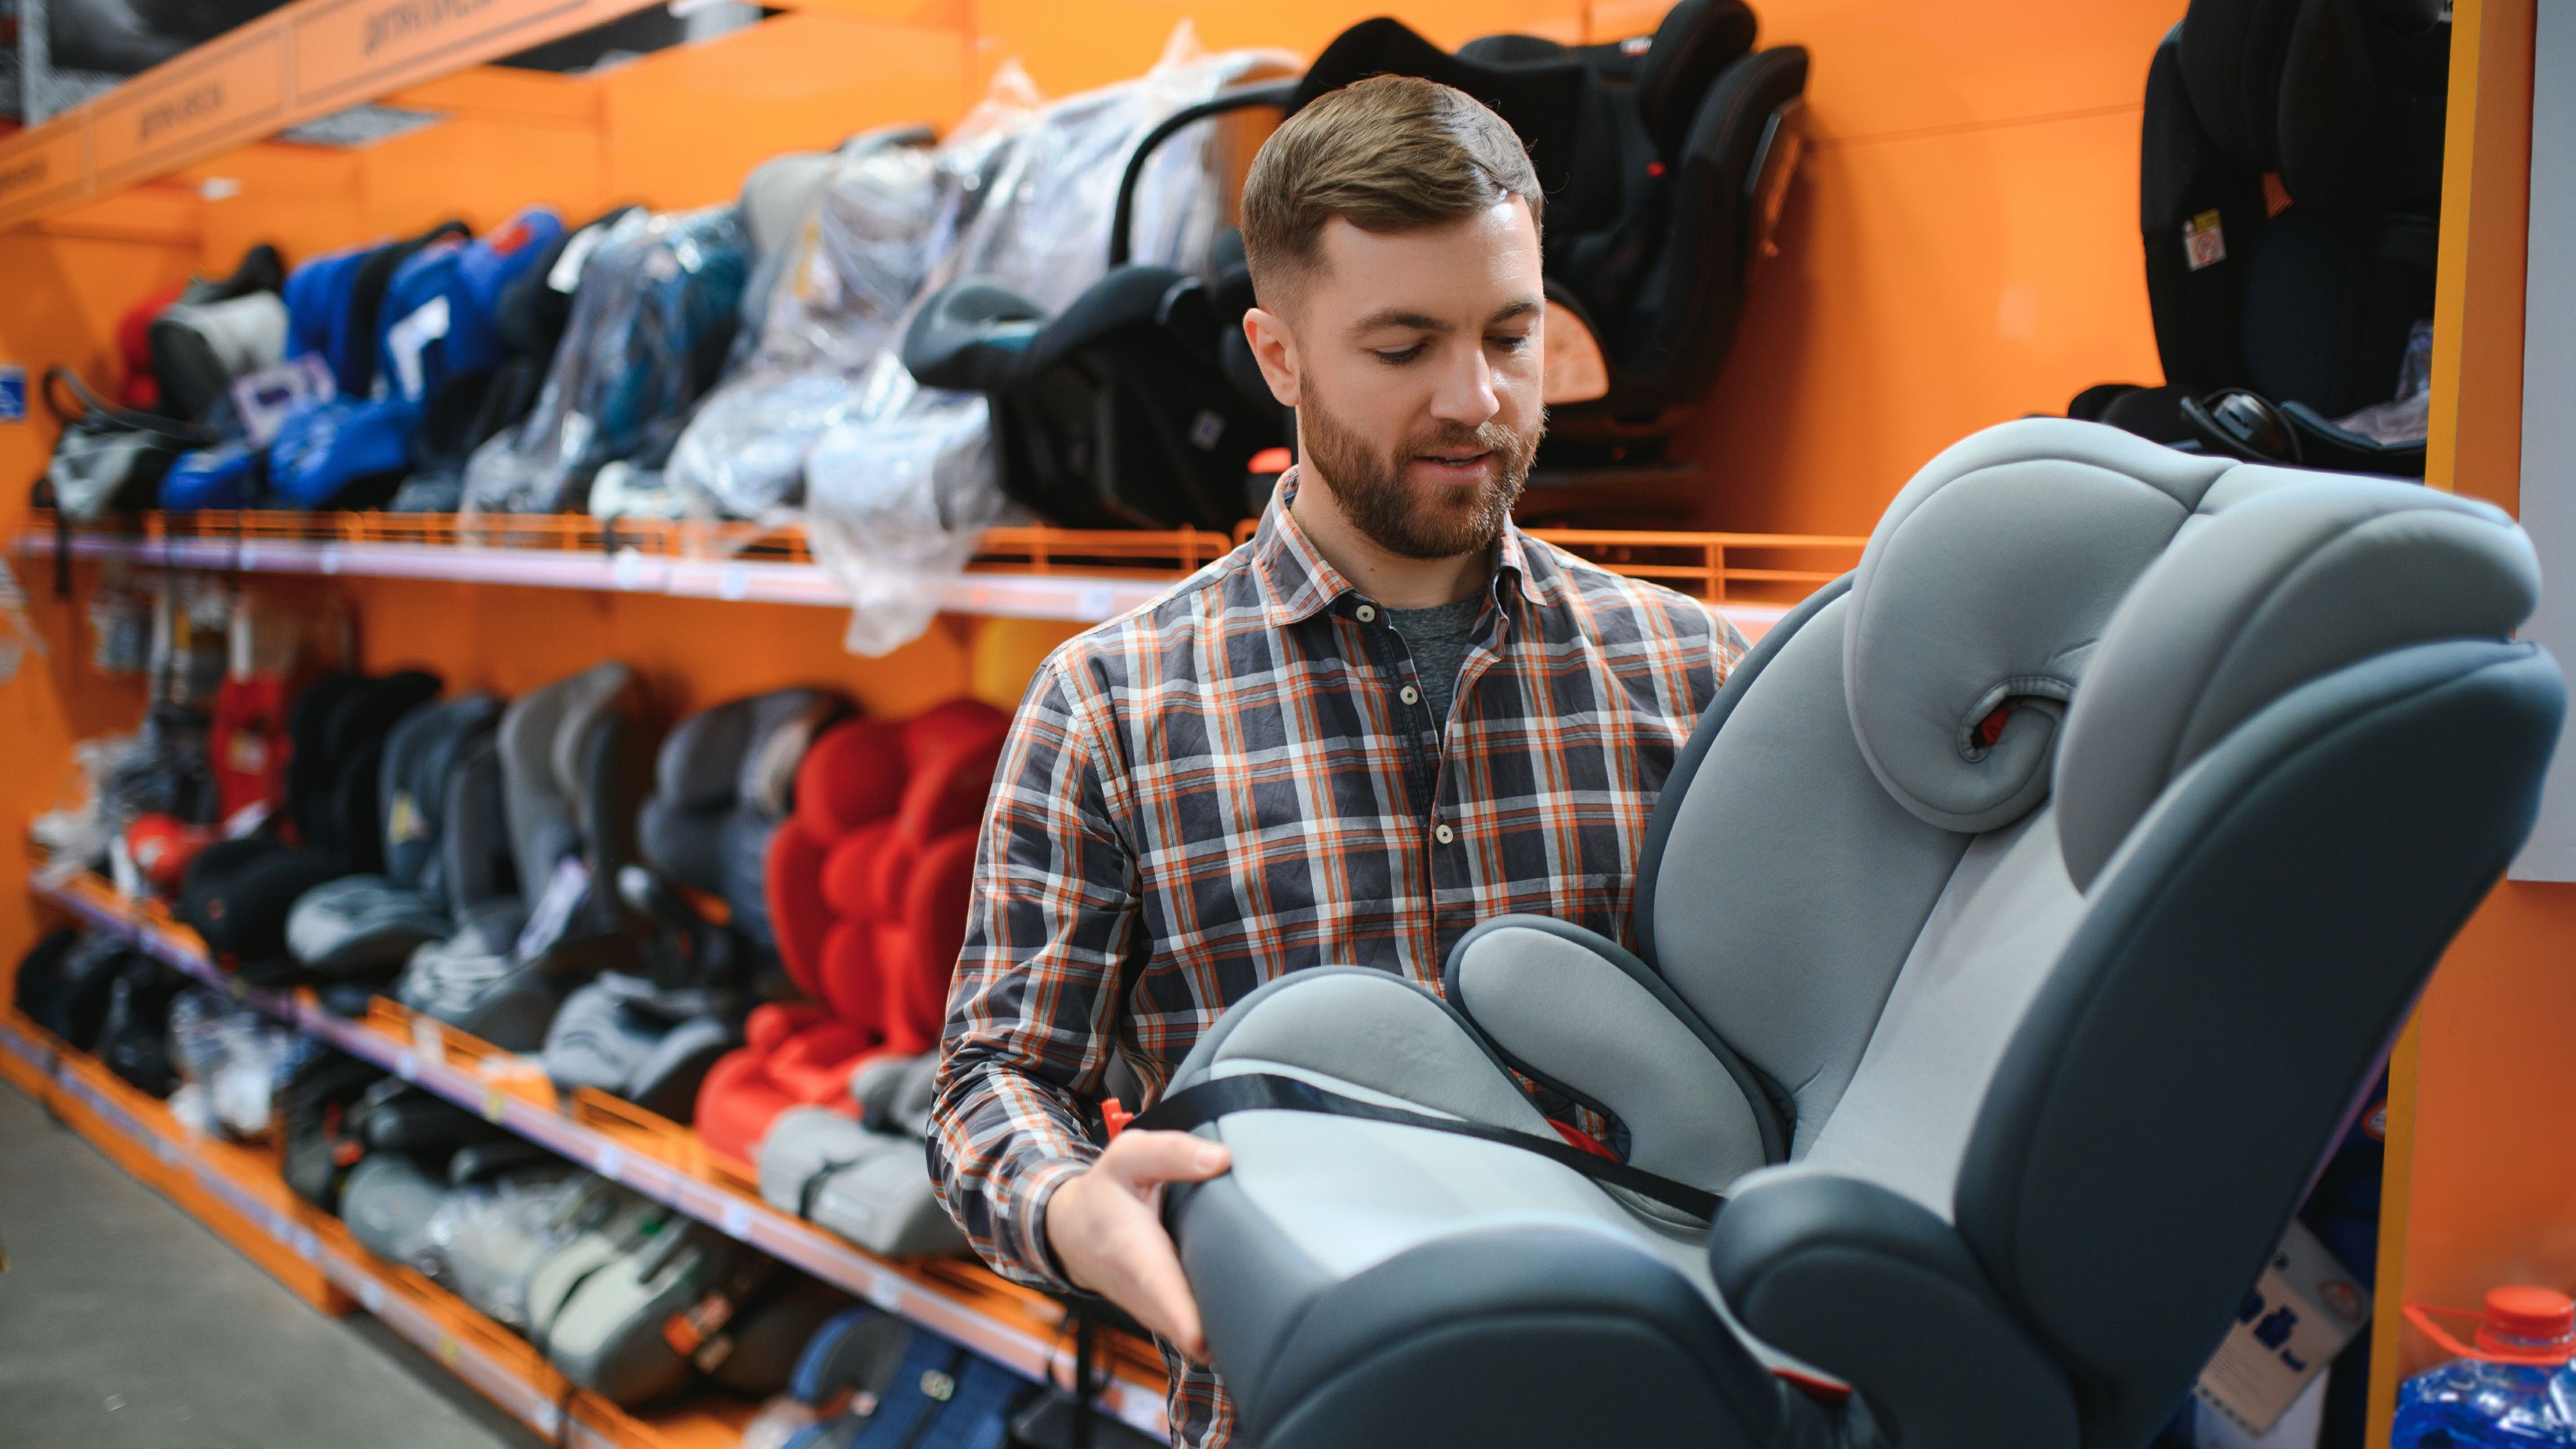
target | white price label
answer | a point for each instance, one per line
(627, 569)
(372, 1294)
(737, 1220)
(330, 558)
(407, 1066)
(733, 583)
(612, 1161)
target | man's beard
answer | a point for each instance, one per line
(1370, 486)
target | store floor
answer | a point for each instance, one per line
(124, 1324)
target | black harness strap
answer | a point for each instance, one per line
(1266, 1092)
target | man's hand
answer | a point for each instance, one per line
(1106, 1227)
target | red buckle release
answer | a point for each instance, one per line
(1115, 1116)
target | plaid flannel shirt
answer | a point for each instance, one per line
(1238, 780)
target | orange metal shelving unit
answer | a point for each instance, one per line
(1015, 1327)
(237, 1192)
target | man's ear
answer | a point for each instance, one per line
(1276, 352)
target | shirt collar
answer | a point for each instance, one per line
(1298, 582)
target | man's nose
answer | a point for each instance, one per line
(1465, 392)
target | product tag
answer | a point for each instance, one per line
(553, 913)
(2300, 1314)
(2204, 243)
(13, 393)
(267, 398)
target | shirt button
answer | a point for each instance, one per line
(1443, 834)
(1367, 613)
(1409, 695)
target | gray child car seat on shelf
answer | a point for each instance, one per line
(569, 757)
(367, 926)
(721, 785)
(2018, 932)
(867, 1180)
(635, 1307)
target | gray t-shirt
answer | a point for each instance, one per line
(1438, 637)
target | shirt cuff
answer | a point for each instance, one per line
(1038, 1189)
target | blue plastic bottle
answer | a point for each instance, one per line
(2517, 1391)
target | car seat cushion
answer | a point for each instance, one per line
(361, 924)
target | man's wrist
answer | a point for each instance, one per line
(1036, 1248)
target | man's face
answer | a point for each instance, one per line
(1413, 360)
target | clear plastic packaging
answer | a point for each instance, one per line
(656, 312)
(236, 1059)
(899, 490)
(875, 234)
(492, 1235)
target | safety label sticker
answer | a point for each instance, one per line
(2203, 243)
(13, 393)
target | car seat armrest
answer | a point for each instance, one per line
(1879, 1291)
(1580, 1013)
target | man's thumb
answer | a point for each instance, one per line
(1143, 1159)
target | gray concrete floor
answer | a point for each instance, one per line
(125, 1324)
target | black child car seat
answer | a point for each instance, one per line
(1664, 161)
(2290, 183)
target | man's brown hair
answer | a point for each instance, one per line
(1388, 154)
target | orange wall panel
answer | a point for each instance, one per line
(1074, 47)
(684, 125)
(1926, 286)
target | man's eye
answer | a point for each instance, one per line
(1512, 342)
(1397, 356)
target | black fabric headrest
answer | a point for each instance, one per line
(1698, 39)
(1544, 100)
(2342, 98)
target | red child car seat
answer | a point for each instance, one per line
(867, 885)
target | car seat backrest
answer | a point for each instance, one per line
(2290, 176)
(724, 782)
(420, 759)
(2305, 723)
(1950, 655)
(476, 864)
(547, 739)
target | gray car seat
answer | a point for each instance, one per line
(721, 782)
(636, 1307)
(569, 762)
(367, 926)
(868, 1179)
(2016, 935)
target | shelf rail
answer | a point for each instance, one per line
(1040, 572)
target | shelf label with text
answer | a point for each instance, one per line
(160, 115)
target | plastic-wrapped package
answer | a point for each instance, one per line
(899, 490)
(657, 309)
(492, 1235)
(874, 236)
(235, 1058)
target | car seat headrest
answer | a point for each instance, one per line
(768, 780)
(1545, 102)
(853, 774)
(2300, 579)
(1697, 39)
(2310, 89)
(1980, 597)
(543, 739)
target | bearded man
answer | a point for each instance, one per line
(1387, 717)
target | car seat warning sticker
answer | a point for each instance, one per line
(2204, 244)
